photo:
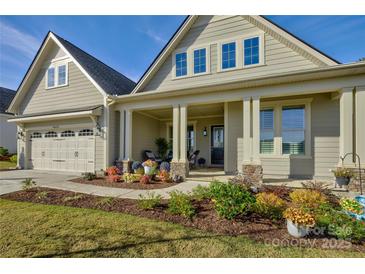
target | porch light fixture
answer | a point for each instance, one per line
(205, 133)
(20, 135)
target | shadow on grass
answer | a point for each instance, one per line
(126, 246)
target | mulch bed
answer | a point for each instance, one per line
(255, 227)
(103, 182)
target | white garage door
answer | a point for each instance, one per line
(69, 150)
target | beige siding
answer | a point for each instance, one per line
(78, 93)
(235, 132)
(207, 31)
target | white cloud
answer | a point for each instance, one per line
(150, 33)
(21, 42)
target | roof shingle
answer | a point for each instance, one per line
(6, 96)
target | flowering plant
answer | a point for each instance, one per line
(113, 170)
(307, 198)
(145, 179)
(343, 172)
(164, 176)
(113, 178)
(299, 217)
(130, 177)
(150, 163)
(352, 206)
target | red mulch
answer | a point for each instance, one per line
(136, 185)
(253, 226)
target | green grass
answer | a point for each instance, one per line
(35, 230)
(7, 165)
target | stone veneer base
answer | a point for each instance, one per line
(254, 173)
(179, 168)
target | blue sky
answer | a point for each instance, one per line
(130, 43)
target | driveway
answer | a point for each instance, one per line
(10, 181)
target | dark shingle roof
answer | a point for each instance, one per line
(110, 80)
(6, 96)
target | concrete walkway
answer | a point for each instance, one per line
(10, 181)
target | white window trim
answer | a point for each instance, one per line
(261, 62)
(207, 60)
(219, 55)
(278, 106)
(56, 66)
(182, 50)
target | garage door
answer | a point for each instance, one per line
(69, 150)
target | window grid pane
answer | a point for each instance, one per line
(229, 55)
(251, 51)
(62, 75)
(181, 64)
(267, 131)
(293, 130)
(50, 77)
(200, 61)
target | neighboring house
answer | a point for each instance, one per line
(249, 95)
(7, 130)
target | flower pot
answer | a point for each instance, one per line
(295, 230)
(149, 170)
(360, 199)
(342, 181)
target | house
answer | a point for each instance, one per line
(7, 130)
(249, 95)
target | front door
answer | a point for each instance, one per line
(217, 145)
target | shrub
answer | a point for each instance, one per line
(42, 195)
(73, 198)
(165, 166)
(145, 179)
(281, 191)
(201, 193)
(269, 205)
(317, 186)
(89, 176)
(352, 206)
(230, 199)
(113, 178)
(164, 176)
(105, 201)
(14, 158)
(299, 217)
(307, 198)
(130, 177)
(28, 183)
(180, 203)
(113, 170)
(150, 201)
(3, 151)
(162, 147)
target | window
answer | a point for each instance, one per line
(293, 130)
(181, 64)
(200, 61)
(51, 77)
(68, 133)
(190, 139)
(267, 131)
(62, 75)
(35, 135)
(229, 55)
(86, 132)
(251, 51)
(50, 134)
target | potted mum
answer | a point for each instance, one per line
(149, 167)
(343, 176)
(298, 221)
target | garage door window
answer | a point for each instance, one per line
(35, 135)
(86, 132)
(50, 134)
(68, 133)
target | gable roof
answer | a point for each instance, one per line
(106, 79)
(6, 96)
(257, 19)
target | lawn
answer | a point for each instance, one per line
(36, 230)
(7, 165)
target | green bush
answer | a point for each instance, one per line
(89, 176)
(3, 151)
(14, 158)
(231, 200)
(269, 205)
(180, 203)
(201, 193)
(28, 183)
(150, 201)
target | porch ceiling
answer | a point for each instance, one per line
(193, 111)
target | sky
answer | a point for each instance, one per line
(130, 43)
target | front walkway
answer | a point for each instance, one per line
(10, 181)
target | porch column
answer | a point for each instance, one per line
(128, 135)
(360, 122)
(246, 130)
(121, 134)
(175, 133)
(256, 131)
(346, 124)
(183, 133)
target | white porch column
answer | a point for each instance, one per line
(128, 134)
(183, 133)
(247, 130)
(175, 133)
(360, 122)
(256, 131)
(121, 134)
(346, 124)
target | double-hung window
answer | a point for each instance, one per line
(51, 77)
(229, 55)
(251, 51)
(57, 76)
(267, 131)
(293, 130)
(62, 75)
(181, 64)
(200, 61)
